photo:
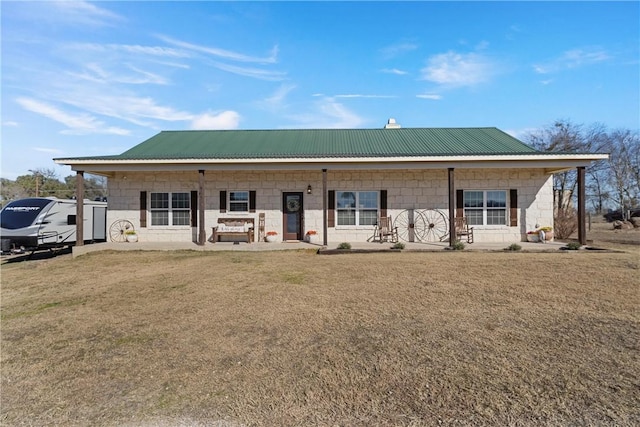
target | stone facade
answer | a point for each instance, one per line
(406, 189)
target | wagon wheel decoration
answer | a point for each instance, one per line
(437, 228)
(411, 225)
(118, 229)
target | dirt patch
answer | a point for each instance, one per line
(292, 338)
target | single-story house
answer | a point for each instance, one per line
(179, 185)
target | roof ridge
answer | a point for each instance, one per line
(328, 129)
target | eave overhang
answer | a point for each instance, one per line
(551, 163)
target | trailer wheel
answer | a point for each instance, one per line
(118, 229)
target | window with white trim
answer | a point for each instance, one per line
(357, 207)
(485, 207)
(238, 201)
(170, 209)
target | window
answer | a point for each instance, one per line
(356, 207)
(238, 201)
(22, 213)
(170, 209)
(486, 207)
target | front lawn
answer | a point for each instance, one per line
(292, 338)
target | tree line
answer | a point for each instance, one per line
(45, 183)
(610, 184)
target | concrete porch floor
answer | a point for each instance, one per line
(264, 246)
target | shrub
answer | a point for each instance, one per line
(573, 246)
(344, 246)
(398, 245)
(458, 246)
(513, 247)
(565, 222)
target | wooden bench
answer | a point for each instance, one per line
(233, 227)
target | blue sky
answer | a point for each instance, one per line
(95, 78)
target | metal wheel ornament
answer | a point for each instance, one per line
(118, 229)
(436, 226)
(411, 225)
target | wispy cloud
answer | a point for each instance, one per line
(277, 101)
(54, 151)
(158, 51)
(256, 73)
(234, 57)
(432, 96)
(131, 108)
(394, 71)
(358, 95)
(96, 73)
(483, 45)
(573, 58)
(143, 77)
(140, 111)
(84, 13)
(272, 58)
(398, 49)
(458, 69)
(77, 124)
(326, 113)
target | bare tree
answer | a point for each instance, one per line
(94, 186)
(566, 137)
(624, 168)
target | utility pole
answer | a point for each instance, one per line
(37, 175)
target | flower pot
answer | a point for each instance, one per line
(271, 239)
(313, 238)
(548, 235)
(132, 238)
(533, 238)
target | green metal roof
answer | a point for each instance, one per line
(324, 143)
(321, 143)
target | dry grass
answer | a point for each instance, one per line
(292, 338)
(603, 234)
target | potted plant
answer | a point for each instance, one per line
(547, 232)
(312, 236)
(272, 236)
(131, 236)
(533, 236)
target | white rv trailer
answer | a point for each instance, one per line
(46, 223)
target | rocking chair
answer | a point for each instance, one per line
(385, 231)
(463, 229)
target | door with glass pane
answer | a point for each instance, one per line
(292, 216)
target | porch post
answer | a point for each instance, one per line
(325, 228)
(202, 234)
(582, 231)
(452, 208)
(80, 208)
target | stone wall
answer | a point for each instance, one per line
(408, 189)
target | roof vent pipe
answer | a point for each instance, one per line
(391, 124)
